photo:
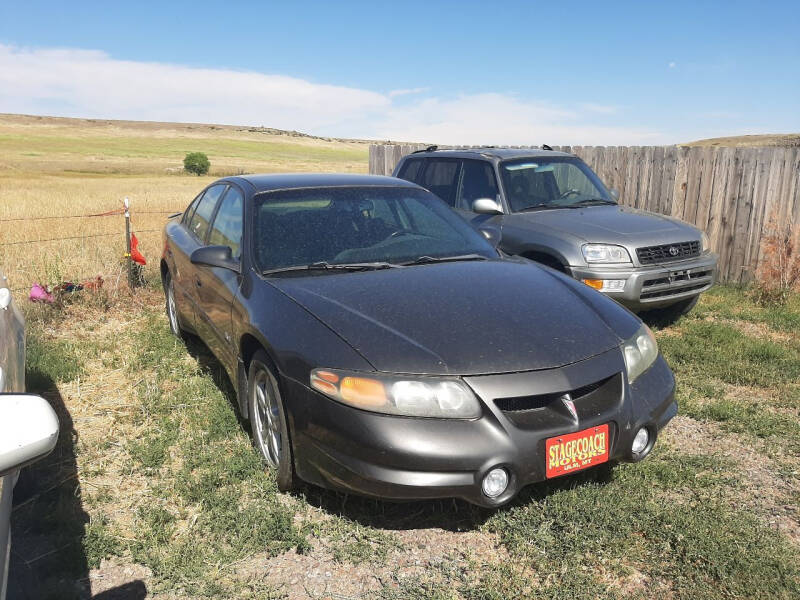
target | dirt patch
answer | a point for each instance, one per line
(758, 330)
(118, 580)
(316, 574)
(773, 497)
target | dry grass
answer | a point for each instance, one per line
(766, 139)
(58, 167)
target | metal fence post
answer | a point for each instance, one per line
(128, 242)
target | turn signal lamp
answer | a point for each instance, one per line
(399, 394)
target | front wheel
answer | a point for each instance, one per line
(268, 421)
(673, 312)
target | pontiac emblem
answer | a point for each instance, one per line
(673, 251)
(570, 406)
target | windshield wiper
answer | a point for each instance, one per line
(542, 206)
(326, 266)
(592, 202)
(424, 260)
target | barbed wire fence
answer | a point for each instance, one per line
(125, 234)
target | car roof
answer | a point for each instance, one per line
(492, 153)
(288, 181)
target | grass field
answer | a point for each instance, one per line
(52, 167)
(775, 139)
(154, 490)
(155, 483)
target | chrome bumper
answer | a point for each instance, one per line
(655, 286)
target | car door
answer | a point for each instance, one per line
(441, 176)
(477, 180)
(216, 287)
(186, 240)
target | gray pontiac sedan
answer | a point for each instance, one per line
(552, 208)
(379, 344)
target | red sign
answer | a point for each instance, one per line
(575, 451)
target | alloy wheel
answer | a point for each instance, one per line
(267, 419)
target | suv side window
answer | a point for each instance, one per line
(205, 209)
(441, 178)
(477, 181)
(410, 169)
(226, 229)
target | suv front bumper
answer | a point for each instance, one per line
(655, 286)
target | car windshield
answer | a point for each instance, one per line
(544, 183)
(359, 227)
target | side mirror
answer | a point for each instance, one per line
(486, 206)
(614, 193)
(215, 256)
(28, 430)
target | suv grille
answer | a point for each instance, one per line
(667, 252)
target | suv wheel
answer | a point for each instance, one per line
(673, 312)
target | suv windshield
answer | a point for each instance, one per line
(360, 227)
(542, 183)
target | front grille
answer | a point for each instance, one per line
(538, 401)
(673, 291)
(668, 252)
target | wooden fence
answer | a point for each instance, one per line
(730, 193)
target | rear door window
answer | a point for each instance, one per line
(441, 178)
(477, 181)
(410, 170)
(205, 209)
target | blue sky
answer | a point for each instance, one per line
(457, 72)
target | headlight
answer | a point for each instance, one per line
(398, 394)
(640, 352)
(705, 242)
(605, 253)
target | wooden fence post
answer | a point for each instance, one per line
(131, 281)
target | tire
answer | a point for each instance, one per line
(171, 307)
(268, 421)
(673, 312)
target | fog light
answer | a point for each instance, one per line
(640, 441)
(613, 285)
(495, 482)
(606, 285)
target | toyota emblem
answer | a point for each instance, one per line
(673, 251)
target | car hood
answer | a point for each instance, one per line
(612, 224)
(464, 318)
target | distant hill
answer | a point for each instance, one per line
(39, 144)
(766, 139)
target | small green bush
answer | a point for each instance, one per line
(197, 163)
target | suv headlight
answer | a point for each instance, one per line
(605, 253)
(705, 242)
(640, 351)
(398, 394)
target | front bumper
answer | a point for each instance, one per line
(655, 286)
(401, 458)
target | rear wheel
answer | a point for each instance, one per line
(268, 421)
(172, 309)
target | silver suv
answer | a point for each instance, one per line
(552, 208)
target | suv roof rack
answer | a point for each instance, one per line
(428, 149)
